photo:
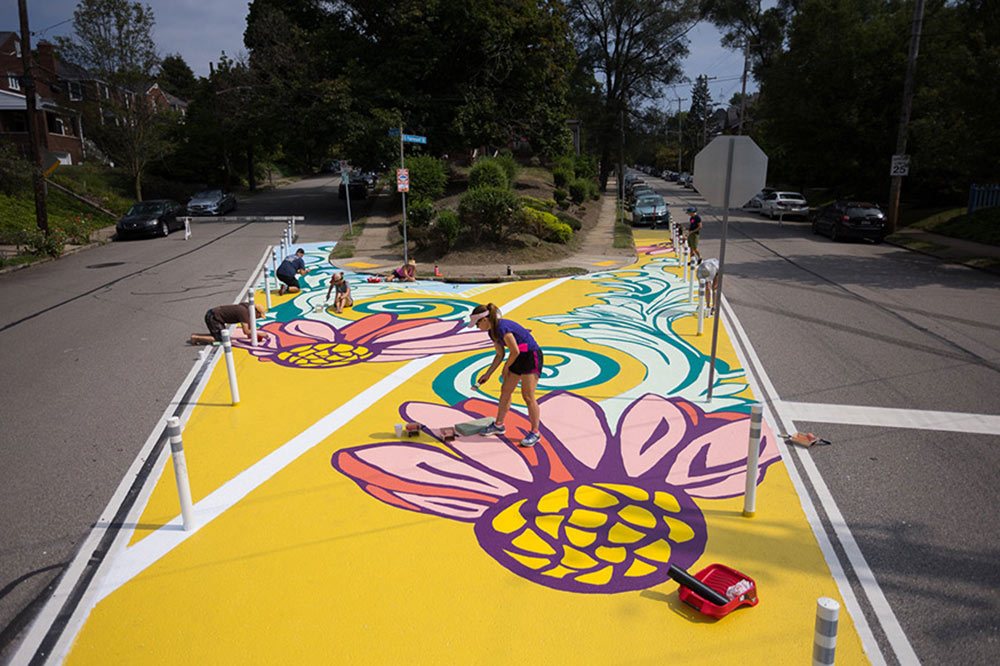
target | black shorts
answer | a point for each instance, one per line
(528, 363)
(290, 280)
(214, 325)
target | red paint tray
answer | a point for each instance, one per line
(719, 577)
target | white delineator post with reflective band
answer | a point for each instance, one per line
(753, 460)
(690, 283)
(701, 306)
(253, 318)
(181, 472)
(825, 640)
(267, 286)
(227, 347)
(187, 228)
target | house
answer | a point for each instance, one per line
(60, 126)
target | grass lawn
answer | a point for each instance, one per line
(18, 213)
(982, 226)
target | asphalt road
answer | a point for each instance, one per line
(875, 325)
(92, 349)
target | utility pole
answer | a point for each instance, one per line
(680, 133)
(621, 154)
(37, 180)
(743, 90)
(904, 115)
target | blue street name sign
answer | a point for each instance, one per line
(413, 138)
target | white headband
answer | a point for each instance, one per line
(474, 318)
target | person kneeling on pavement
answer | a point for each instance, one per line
(220, 316)
(292, 265)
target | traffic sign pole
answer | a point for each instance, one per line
(346, 180)
(722, 268)
(402, 165)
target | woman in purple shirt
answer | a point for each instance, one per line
(524, 366)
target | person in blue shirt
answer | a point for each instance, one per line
(523, 365)
(292, 266)
(694, 231)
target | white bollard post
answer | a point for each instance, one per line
(293, 229)
(180, 472)
(274, 264)
(253, 319)
(690, 284)
(187, 228)
(267, 287)
(701, 306)
(825, 639)
(687, 260)
(227, 347)
(753, 458)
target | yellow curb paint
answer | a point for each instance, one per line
(361, 264)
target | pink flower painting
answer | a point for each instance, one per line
(589, 509)
(306, 343)
(655, 250)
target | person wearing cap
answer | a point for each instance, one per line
(524, 366)
(708, 271)
(343, 298)
(694, 230)
(220, 316)
(405, 273)
(291, 267)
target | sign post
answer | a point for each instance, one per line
(345, 180)
(403, 177)
(731, 168)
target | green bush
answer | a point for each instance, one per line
(585, 166)
(568, 219)
(31, 240)
(509, 165)
(534, 161)
(488, 211)
(419, 212)
(448, 227)
(557, 232)
(544, 205)
(559, 194)
(562, 177)
(487, 173)
(579, 190)
(428, 177)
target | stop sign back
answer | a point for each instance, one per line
(749, 172)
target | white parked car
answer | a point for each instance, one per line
(785, 204)
(758, 199)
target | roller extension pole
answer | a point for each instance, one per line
(825, 639)
(227, 347)
(180, 472)
(753, 457)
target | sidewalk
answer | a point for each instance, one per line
(378, 249)
(953, 250)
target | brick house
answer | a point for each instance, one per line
(60, 125)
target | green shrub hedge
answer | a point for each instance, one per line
(428, 177)
(544, 205)
(419, 212)
(490, 211)
(568, 219)
(448, 227)
(487, 173)
(562, 177)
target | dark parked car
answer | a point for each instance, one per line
(148, 218)
(850, 219)
(358, 185)
(211, 202)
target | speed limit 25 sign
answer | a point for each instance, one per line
(900, 165)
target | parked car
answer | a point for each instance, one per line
(359, 187)
(784, 204)
(148, 218)
(638, 191)
(851, 219)
(211, 202)
(650, 209)
(758, 199)
(330, 166)
(683, 179)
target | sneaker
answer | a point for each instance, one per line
(530, 439)
(493, 429)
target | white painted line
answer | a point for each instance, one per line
(866, 578)
(891, 417)
(868, 641)
(142, 554)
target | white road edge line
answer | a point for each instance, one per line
(161, 542)
(893, 417)
(894, 633)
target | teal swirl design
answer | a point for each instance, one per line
(637, 316)
(417, 308)
(565, 369)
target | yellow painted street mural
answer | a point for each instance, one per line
(343, 515)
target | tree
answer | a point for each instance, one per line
(177, 78)
(113, 39)
(633, 46)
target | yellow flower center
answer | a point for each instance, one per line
(324, 355)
